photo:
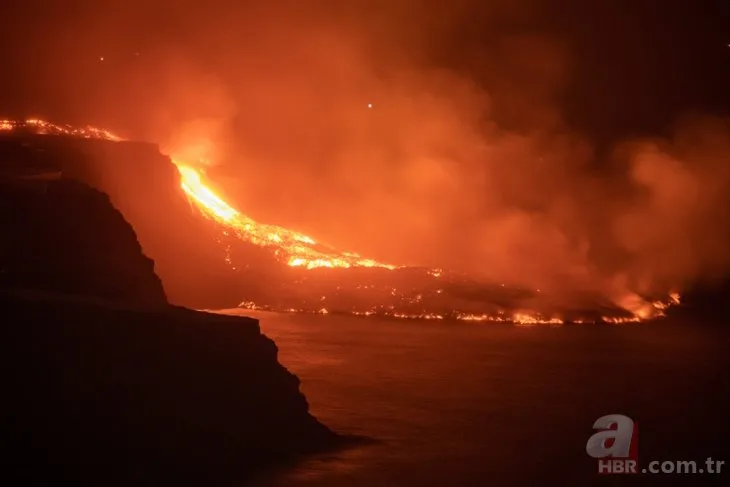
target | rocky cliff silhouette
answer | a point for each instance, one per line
(69, 238)
(145, 186)
(104, 382)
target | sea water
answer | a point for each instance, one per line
(457, 404)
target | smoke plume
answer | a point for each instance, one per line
(425, 133)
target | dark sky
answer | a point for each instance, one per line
(634, 65)
(641, 63)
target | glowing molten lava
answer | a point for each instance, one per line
(296, 249)
(301, 251)
(47, 128)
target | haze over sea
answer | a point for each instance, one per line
(468, 405)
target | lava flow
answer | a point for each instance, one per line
(43, 127)
(374, 288)
(297, 249)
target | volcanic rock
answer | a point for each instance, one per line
(69, 238)
(106, 383)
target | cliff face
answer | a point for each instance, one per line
(65, 236)
(145, 186)
(96, 395)
(106, 383)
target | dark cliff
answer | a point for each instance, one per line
(64, 236)
(106, 383)
(145, 186)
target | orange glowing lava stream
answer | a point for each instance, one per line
(298, 249)
(301, 252)
(43, 127)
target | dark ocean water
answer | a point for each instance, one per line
(462, 405)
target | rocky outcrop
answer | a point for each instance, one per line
(65, 236)
(106, 395)
(106, 383)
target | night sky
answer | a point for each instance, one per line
(634, 65)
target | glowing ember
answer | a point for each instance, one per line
(527, 319)
(43, 127)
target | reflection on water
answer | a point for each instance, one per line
(494, 405)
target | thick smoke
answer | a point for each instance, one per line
(367, 126)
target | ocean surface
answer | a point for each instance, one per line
(456, 404)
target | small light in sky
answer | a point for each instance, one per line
(370, 105)
(101, 58)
